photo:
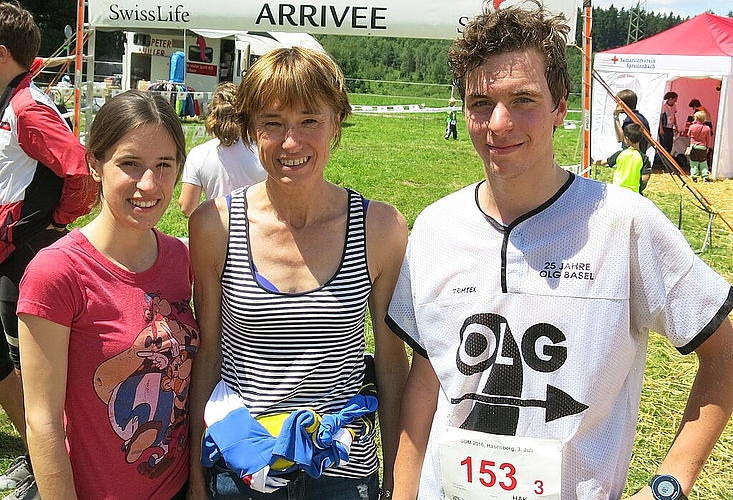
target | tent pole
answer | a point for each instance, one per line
(587, 47)
(78, 63)
(722, 119)
(91, 42)
(708, 234)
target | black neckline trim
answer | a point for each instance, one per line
(501, 227)
(506, 230)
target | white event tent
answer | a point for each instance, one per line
(693, 59)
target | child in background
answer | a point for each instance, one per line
(451, 121)
(668, 121)
(629, 161)
(701, 140)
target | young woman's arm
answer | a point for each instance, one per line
(44, 356)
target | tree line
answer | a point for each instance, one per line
(424, 61)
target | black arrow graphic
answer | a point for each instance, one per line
(557, 404)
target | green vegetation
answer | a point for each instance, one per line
(611, 25)
(391, 59)
(404, 160)
(418, 67)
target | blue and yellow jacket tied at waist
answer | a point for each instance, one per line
(285, 442)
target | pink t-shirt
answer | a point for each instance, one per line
(133, 338)
(700, 135)
(671, 112)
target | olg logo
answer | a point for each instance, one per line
(487, 346)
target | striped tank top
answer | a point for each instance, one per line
(285, 351)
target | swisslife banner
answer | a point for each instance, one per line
(394, 18)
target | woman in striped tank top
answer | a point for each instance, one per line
(284, 270)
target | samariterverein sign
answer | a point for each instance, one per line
(402, 18)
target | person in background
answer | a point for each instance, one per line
(107, 333)
(701, 140)
(222, 164)
(697, 106)
(45, 186)
(283, 273)
(630, 98)
(668, 121)
(451, 121)
(530, 341)
(627, 162)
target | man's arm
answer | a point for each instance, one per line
(50, 62)
(44, 136)
(617, 124)
(416, 419)
(708, 410)
(386, 242)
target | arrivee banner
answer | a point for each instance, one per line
(398, 18)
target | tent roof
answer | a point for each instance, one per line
(703, 35)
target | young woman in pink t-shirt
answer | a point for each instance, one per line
(107, 335)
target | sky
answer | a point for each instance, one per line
(684, 8)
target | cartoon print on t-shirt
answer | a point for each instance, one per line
(493, 361)
(145, 387)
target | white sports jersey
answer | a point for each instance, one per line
(539, 329)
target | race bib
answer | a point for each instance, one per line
(479, 466)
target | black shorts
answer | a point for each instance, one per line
(11, 271)
(698, 155)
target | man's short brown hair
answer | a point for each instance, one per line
(509, 29)
(628, 97)
(19, 33)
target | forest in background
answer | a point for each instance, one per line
(424, 61)
(371, 64)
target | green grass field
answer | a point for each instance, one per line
(404, 160)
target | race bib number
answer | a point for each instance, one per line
(479, 466)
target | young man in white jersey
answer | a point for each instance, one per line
(528, 298)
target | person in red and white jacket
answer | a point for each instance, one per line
(44, 185)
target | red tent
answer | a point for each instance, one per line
(703, 35)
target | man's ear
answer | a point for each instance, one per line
(4, 54)
(561, 110)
